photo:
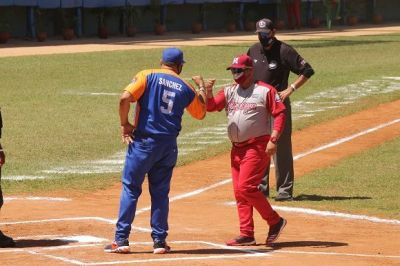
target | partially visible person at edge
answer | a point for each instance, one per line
(332, 8)
(293, 8)
(273, 62)
(249, 108)
(161, 97)
(5, 241)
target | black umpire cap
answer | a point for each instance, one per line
(264, 25)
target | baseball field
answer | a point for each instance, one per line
(61, 179)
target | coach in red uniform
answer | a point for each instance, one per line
(250, 107)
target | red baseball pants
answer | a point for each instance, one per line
(248, 165)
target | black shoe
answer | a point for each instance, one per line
(161, 248)
(274, 231)
(241, 241)
(283, 198)
(6, 241)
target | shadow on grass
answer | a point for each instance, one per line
(315, 244)
(305, 197)
(30, 243)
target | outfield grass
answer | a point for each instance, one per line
(366, 183)
(50, 121)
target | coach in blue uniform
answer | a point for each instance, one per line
(5, 241)
(161, 97)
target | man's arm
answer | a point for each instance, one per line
(126, 127)
(197, 108)
(277, 110)
(299, 66)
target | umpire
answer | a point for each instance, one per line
(273, 62)
(5, 241)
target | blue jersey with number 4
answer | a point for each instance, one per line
(162, 97)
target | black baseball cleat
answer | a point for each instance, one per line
(161, 248)
(241, 241)
(283, 198)
(274, 231)
(6, 241)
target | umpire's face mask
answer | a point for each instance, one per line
(266, 39)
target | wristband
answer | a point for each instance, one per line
(273, 139)
(293, 87)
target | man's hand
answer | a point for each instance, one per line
(285, 93)
(198, 80)
(271, 148)
(209, 85)
(127, 133)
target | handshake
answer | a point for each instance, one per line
(205, 86)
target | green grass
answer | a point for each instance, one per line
(366, 183)
(48, 124)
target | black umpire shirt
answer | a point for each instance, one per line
(274, 66)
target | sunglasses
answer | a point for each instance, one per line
(237, 70)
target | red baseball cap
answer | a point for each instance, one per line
(241, 61)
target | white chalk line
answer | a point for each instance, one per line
(68, 239)
(63, 259)
(328, 214)
(344, 95)
(337, 254)
(22, 177)
(189, 194)
(7, 199)
(249, 252)
(346, 139)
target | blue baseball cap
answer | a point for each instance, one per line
(173, 55)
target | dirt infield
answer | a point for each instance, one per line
(71, 229)
(202, 216)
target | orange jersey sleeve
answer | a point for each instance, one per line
(138, 84)
(197, 108)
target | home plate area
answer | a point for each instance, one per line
(88, 250)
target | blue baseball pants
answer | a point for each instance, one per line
(156, 157)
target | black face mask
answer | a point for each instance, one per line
(265, 39)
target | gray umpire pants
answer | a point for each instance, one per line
(283, 160)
